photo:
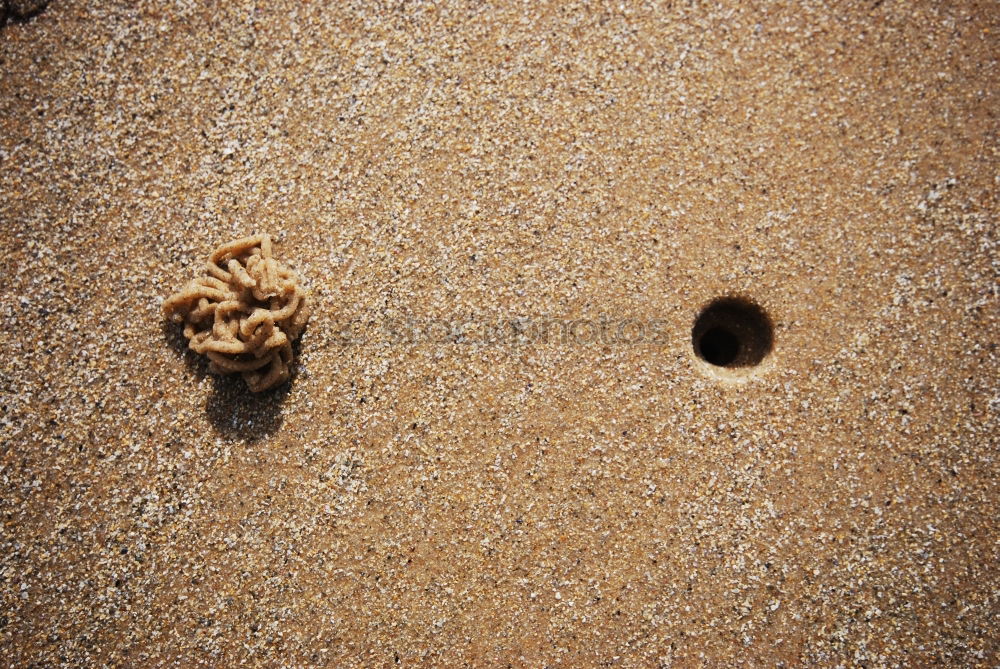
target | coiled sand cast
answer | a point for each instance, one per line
(244, 313)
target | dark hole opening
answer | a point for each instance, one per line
(732, 332)
(719, 346)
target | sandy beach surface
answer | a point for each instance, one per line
(499, 448)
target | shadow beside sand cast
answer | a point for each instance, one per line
(20, 11)
(237, 413)
(233, 411)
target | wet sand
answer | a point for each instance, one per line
(444, 498)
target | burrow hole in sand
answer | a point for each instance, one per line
(732, 333)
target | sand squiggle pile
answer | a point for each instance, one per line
(244, 313)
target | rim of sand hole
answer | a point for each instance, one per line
(732, 339)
